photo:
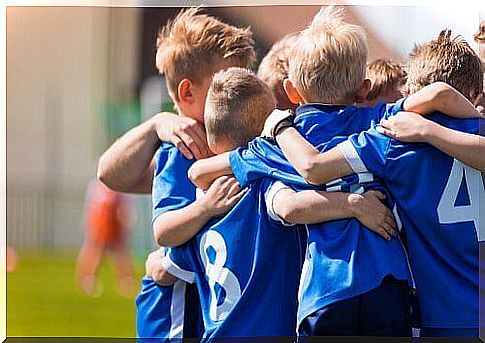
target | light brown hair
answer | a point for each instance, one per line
(192, 43)
(446, 59)
(236, 107)
(328, 62)
(385, 75)
(273, 69)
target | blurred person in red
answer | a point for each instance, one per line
(107, 215)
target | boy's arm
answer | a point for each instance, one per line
(411, 127)
(174, 228)
(315, 167)
(440, 97)
(203, 172)
(309, 207)
(127, 166)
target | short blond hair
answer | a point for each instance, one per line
(385, 75)
(237, 105)
(273, 69)
(328, 62)
(192, 43)
(446, 59)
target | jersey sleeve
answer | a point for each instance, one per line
(172, 188)
(384, 111)
(272, 189)
(366, 152)
(259, 159)
(177, 262)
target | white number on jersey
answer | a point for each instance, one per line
(448, 213)
(218, 274)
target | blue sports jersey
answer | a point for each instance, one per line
(439, 200)
(247, 268)
(344, 259)
(161, 310)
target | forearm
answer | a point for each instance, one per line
(316, 168)
(203, 172)
(466, 147)
(440, 97)
(126, 165)
(310, 207)
(176, 227)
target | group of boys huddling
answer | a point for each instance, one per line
(313, 219)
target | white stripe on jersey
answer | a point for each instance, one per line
(177, 308)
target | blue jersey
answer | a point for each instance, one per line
(439, 201)
(344, 259)
(247, 268)
(161, 310)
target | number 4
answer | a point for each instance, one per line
(448, 213)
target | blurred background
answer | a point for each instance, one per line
(78, 78)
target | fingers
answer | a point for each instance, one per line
(200, 138)
(377, 194)
(383, 233)
(234, 200)
(190, 143)
(386, 131)
(179, 144)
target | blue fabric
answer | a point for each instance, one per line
(344, 259)
(172, 189)
(438, 200)
(247, 268)
(383, 311)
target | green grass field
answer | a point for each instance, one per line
(42, 300)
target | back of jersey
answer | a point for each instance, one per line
(438, 201)
(247, 268)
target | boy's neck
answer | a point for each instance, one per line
(349, 101)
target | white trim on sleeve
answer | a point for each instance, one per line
(171, 267)
(352, 157)
(274, 189)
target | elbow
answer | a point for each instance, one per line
(290, 213)
(309, 172)
(103, 174)
(197, 178)
(162, 238)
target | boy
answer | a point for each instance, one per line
(356, 283)
(387, 78)
(246, 264)
(438, 196)
(273, 69)
(185, 48)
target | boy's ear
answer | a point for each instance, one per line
(363, 91)
(185, 91)
(292, 93)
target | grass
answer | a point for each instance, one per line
(42, 300)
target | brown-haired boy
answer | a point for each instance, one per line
(273, 69)
(387, 79)
(190, 49)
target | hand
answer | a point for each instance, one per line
(222, 195)
(153, 265)
(185, 133)
(371, 212)
(407, 127)
(276, 117)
